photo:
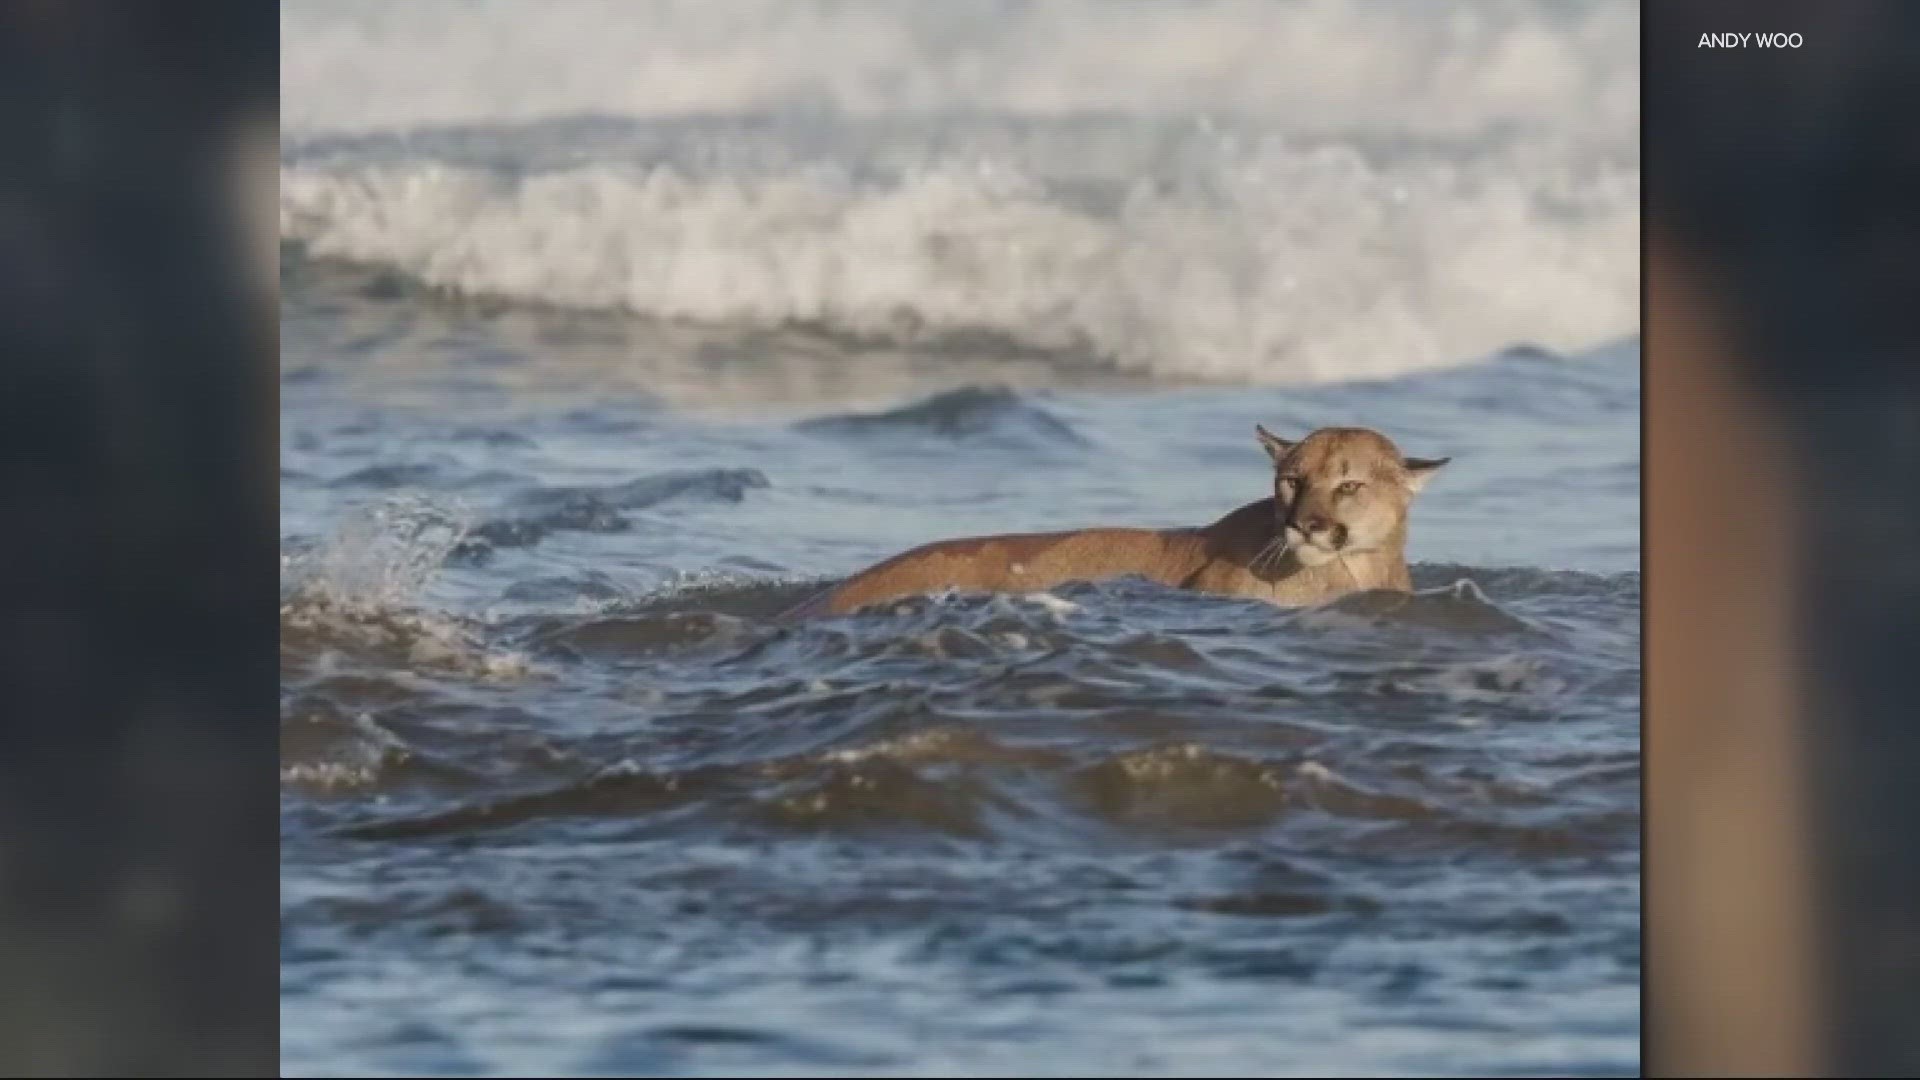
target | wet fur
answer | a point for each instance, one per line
(1247, 553)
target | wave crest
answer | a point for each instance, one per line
(1268, 262)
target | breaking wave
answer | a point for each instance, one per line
(1398, 195)
(1271, 263)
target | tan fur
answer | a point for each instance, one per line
(1281, 549)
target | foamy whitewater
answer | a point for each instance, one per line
(610, 330)
(1388, 197)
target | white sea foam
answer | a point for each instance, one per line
(1398, 194)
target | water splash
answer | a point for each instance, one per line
(380, 557)
(361, 589)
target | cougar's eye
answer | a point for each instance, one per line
(1348, 487)
(1289, 485)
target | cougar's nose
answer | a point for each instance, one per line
(1320, 529)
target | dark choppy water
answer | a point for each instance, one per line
(606, 338)
(560, 797)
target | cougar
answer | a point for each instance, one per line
(1336, 524)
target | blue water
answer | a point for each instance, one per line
(606, 339)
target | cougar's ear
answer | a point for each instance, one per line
(1276, 446)
(1421, 470)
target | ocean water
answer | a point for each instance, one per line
(607, 337)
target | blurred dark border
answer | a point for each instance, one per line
(1791, 172)
(1782, 190)
(138, 581)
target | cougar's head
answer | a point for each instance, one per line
(1342, 491)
